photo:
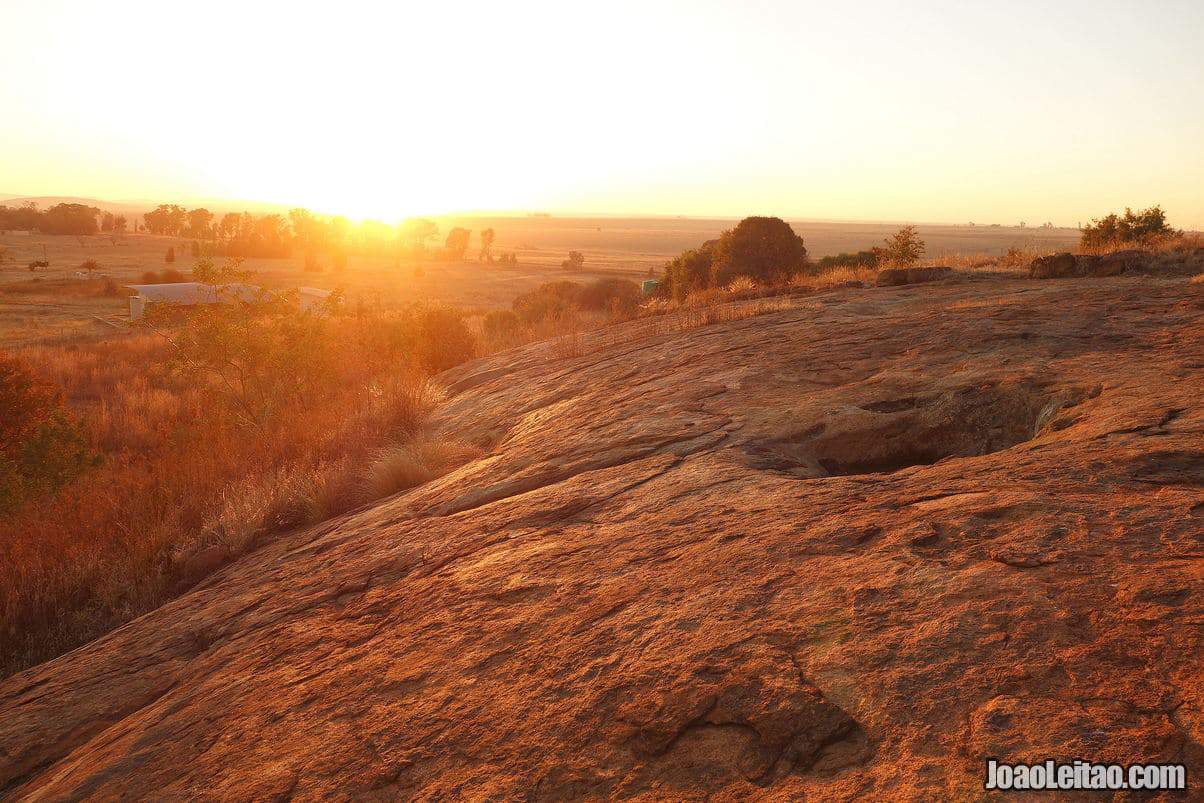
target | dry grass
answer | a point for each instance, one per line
(403, 466)
(180, 476)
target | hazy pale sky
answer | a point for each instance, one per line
(922, 111)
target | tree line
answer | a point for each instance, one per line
(78, 219)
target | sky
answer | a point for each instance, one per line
(918, 111)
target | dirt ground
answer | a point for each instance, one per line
(55, 304)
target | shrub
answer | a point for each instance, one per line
(441, 339)
(763, 248)
(111, 288)
(41, 447)
(401, 467)
(89, 265)
(38, 263)
(860, 259)
(500, 323)
(618, 297)
(150, 277)
(904, 249)
(170, 276)
(689, 271)
(1131, 229)
(549, 300)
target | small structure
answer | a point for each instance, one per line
(312, 298)
(649, 286)
(188, 294)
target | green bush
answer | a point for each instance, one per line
(1140, 228)
(861, 259)
(765, 249)
(904, 249)
(689, 271)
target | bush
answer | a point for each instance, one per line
(904, 249)
(618, 297)
(1131, 229)
(441, 340)
(763, 248)
(89, 265)
(500, 323)
(150, 277)
(575, 261)
(41, 447)
(861, 259)
(549, 300)
(170, 276)
(690, 271)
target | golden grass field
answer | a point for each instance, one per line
(52, 305)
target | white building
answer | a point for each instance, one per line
(187, 294)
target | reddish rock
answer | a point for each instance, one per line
(893, 277)
(1055, 266)
(848, 549)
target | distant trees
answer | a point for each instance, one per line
(76, 219)
(486, 254)
(416, 232)
(903, 249)
(166, 219)
(200, 224)
(575, 261)
(170, 256)
(457, 243)
(1130, 229)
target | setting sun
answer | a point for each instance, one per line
(551, 401)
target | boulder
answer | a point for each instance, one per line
(893, 277)
(1055, 266)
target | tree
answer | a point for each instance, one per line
(486, 254)
(575, 261)
(416, 231)
(457, 243)
(903, 249)
(119, 223)
(228, 228)
(200, 224)
(763, 248)
(106, 221)
(170, 256)
(168, 219)
(69, 219)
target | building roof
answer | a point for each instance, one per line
(196, 292)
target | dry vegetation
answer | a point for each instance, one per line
(194, 471)
(230, 425)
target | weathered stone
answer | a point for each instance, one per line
(654, 586)
(1055, 266)
(893, 277)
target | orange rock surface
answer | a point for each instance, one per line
(847, 549)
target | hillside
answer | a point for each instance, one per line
(848, 548)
